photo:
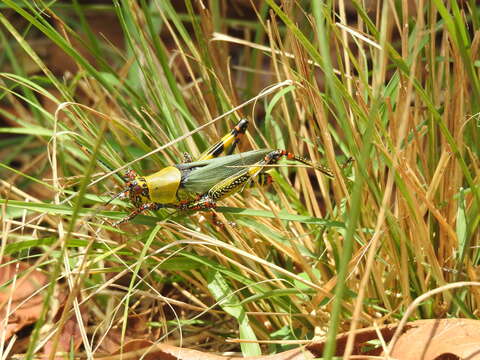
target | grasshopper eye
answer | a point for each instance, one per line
(136, 189)
(133, 187)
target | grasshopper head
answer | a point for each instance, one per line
(136, 189)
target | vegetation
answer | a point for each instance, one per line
(394, 86)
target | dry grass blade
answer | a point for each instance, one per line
(296, 255)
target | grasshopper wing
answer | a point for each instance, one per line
(201, 176)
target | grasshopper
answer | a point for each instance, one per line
(198, 185)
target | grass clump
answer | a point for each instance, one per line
(394, 88)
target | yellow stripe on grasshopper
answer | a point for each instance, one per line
(224, 142)
(254, 170)
(234, 183)
(228, 141)
(163, 185)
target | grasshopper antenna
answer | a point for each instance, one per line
(106, 166)
(120, 194)
(95, 213)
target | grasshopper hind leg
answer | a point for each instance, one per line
(237, 182)
(228, 143)
(274, 156)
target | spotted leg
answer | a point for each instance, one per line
(139, 210)
(275, 155)
(202, 202)
(237, 182)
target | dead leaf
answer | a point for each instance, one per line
(448, 339)
(70, 336)
(137, 331)
(26, 305)
(440, 339)
(147, 350)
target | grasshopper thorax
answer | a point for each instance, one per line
(160, 187)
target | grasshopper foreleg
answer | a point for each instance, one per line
(142, 208)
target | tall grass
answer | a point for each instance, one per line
(394, 88)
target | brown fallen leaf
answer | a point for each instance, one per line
(147, 350)
(447, 339)
(143, 349)
(439, 339)
(137, 331)
(26, 305)
(70, 336)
